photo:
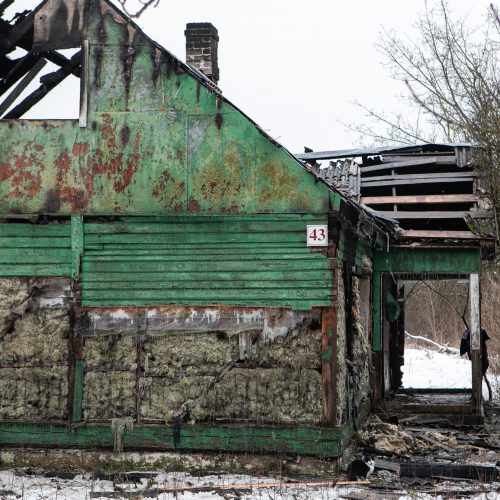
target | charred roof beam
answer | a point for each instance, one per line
(48, 82)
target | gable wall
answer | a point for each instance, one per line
(157, 142)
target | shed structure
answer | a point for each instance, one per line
(445, 230)
(156, 286)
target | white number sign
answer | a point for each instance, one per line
(317, 235)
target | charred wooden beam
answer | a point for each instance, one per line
(410, 180)
(434, 175)
(4, 5)
(436, 160)
(26, 43)
(15, 32)
(48, 82)
(424, 198)
(453, 235)
(435, 215)
(9, 100)
(22, 66)
(482, 473)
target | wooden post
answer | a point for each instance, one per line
(475, 339)
(328, 363)
(76, 371)
(377, 312)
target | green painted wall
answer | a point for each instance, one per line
(232, 260)
(259, 260)
(429, 260)
(157, 142)
(35, 250)
(321, 442)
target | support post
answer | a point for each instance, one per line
(76, 344)
(377, 312)
(328, 364)
(475, 339)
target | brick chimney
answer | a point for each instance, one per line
(201, 48)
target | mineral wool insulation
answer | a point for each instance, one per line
(151, 378)
(33, 357)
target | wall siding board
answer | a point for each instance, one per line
(261, 261)
(35, 250)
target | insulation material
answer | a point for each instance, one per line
(108, 395)
(264, 395)
(301, 347)
(110, 354)
(13, 291)
(188, 354)
(39, 338)
(342, 379)
(34, 393)
(33, 355)
(197, 371)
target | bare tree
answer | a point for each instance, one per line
(134, 8)
(451, 77)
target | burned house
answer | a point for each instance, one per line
(171, 277)
(445, 229)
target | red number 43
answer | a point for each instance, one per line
(318, 234)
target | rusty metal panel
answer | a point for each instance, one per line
(58, 24)
(157, 141)
(232, 260)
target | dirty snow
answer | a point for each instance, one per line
(18, 485)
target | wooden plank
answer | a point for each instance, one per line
(76, 244)
(406, 180)
(185, 266)
(430, 260)
(399, 214)
(17, 91)
(183, 256)
(418, 233)
(185, 296)
(17, 230)
(433, 175)
(431, 160)
(223, 276)
(206, 226)
(78, 391)
(475, 338)
(312, 441)
(295, 303)
(417, 199)
(483, 473)
(145, 284)
(34, 255)
(35, 269)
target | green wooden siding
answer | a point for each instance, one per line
(240, 261)
(429, 260)
(35, 250)
(314, 441)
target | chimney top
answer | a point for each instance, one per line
(201, 48)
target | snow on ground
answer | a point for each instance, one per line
(428, 369)
(17, 485)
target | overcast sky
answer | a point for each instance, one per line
(296, 67)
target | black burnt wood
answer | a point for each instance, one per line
(482, 473)
(48, 83)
